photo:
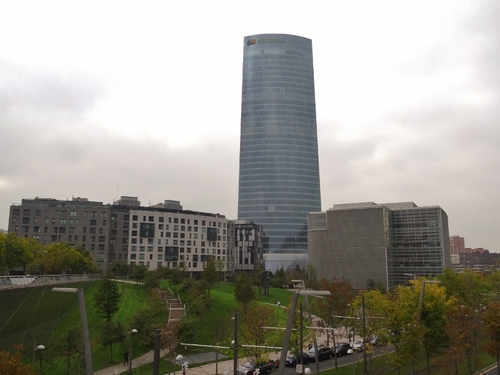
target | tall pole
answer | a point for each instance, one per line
(131, 343)
(235, 340)
(156, 362)
(365, 364)
(334, 344)
(85, 333)
(301, 338)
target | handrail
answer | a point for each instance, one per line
(25, 281)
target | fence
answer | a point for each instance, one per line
(24, 281)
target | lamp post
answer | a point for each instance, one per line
(85, 327)
(131, 347)
(235, 342)
(350, 351)
(40, 348)
(178, 358)
(301, 339)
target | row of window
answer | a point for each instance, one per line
(59, 213)
(181, 220)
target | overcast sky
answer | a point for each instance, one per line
(100, 99)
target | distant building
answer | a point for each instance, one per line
(457, 246)
(164, 234)
(387, 243)
(249, 254)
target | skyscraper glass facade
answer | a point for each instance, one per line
(279, 169)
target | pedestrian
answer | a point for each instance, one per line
(125, 357)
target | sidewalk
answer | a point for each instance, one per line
(210, 368)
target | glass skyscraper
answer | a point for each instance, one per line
(279, 168)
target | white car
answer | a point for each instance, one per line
(358, 345)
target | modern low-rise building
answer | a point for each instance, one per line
(176, 238)
(385, 243)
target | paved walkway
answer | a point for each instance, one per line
(208, 369)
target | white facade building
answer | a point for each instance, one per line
(179, 239)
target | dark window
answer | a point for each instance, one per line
(212, 234)
(147, 230)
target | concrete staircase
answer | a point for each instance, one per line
(175, 307)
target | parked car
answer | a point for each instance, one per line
(249, 368)
(324, 352)
(293, 360)
(358, 345)
(342, 348)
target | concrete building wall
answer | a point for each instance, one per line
(352, 245)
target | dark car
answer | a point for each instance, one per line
(342, 348)
(324, 352)
(293, 360)
(249, 368)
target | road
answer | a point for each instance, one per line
(344, 360)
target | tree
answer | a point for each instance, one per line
(251, 328)
(69, 345)
(112, 333)
(337, 303)
(462, 329)
(60, 257)
(243, 290)
(491, 318)
(107, 297)
(279, 278)
(16, 251)
(152, 316)
(151, 280)
(210, 276)
(138, 272)
(12, 364)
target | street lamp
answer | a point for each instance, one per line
(85, 326)
(350, 351)
(178, 358)
(40, 348)
(131, 347)
(235, 342)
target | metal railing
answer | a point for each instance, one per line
(25, 281)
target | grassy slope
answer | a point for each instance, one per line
(133, 297)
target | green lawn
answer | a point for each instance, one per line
(133, 297)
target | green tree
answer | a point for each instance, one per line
(151, 280)
(251, 329)
(243, 291)
(60, 257)
(210, 275)
(152, 316)
(138, 272)
(279, 278)
(16, 251)
(69, 347)
(112, 333)
(107, 297)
